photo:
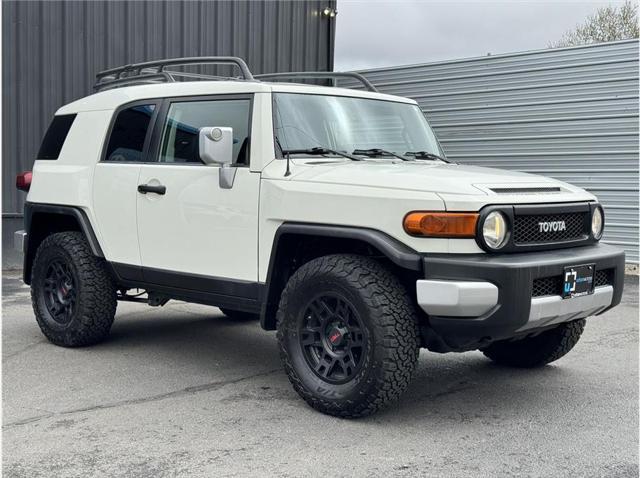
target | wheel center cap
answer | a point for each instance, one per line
(63, 290)
(336, 336)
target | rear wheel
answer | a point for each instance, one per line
(348, 335)
(537, 350)
(239, 315)
(73, 294)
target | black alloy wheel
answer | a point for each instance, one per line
(332, 337)
(59, 291)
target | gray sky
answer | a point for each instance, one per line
(378, 33)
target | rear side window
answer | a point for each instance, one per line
(129, 133)
(55, 136)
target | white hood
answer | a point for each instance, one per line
(427, 176)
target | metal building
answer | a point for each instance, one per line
(51, 51)
(569, 113)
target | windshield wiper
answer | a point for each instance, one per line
(377, 152)
(426, 155)
(319, 151)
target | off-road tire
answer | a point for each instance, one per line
(537, 350)
(389, 321)
(95, 291)
(239, 315)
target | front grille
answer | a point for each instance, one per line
(547, 286)
(603, 277)
(527, 229)
(553, 285)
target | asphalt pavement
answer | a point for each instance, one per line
(183, 391)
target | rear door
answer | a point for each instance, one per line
(195, 234)
(116, 180)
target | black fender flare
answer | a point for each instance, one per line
(31, 209)
(394, 250)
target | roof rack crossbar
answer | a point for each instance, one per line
(320, 75)
(164, 77)
(142, 71)
(184, 74)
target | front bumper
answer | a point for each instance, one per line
(472, 300)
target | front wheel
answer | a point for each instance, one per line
(348, 335)
(537, 350)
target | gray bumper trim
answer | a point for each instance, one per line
(20, 241)
(456, 298)
(555, 310)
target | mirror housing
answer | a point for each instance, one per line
(215, 145)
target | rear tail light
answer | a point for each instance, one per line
(23, 181)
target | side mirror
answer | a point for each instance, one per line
(215, 145)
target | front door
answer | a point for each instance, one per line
(193, 233)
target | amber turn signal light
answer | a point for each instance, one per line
(441, 224)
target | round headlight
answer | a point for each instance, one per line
(494, 230)
(597, 223)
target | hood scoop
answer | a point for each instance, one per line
(528, 190)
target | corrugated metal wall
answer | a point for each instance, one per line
(51, 51)
(568, 113)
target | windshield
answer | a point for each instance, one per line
(304, 121)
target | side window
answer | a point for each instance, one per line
(128, 134)
(184, 119)
(55, 136)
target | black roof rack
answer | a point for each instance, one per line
(320, 75)
(155, 71)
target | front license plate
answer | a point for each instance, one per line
(578, 280)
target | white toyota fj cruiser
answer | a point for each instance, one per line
(332, 214)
